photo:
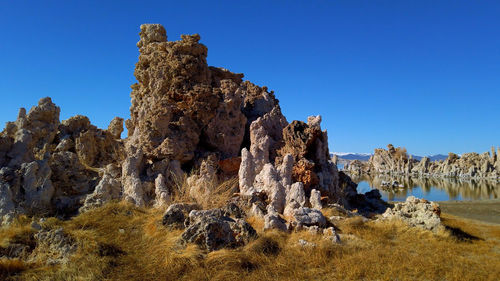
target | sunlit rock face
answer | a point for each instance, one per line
(184, 111)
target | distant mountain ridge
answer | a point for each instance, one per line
(366, 156)
(352, 156)
(435, 157)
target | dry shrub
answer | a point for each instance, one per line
(328, 212)
(268, 244)
(19, 231)
(235, 261)
(401, 153)
(218, 193)
(180, 189)
(256, 222)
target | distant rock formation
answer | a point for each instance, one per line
(396, 161)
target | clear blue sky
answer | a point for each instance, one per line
(419, 74)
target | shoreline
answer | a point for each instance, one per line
(487, 211)
(423, 176)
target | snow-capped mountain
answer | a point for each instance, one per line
(352, 156)
(366, 156)
(435, 157)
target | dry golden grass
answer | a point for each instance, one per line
(145, 250)
(9, 267)
(19, 231)
(220, 192)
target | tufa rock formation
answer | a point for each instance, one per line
(184, 111)
(395, 161)
(49, 167)
(186, 118)
(416, 212)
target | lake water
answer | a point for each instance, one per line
(433, 189)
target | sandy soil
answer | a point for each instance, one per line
(482, 210)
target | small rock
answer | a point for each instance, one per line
(175, 215)
(331, 235)
(307, 217)
(306, 244)
(36, 226)
(416, 212)
(274, 221)
(213, 232)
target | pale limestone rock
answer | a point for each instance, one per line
(335, 159)
(271, 210)
(314, 121)
(246, 174)
(416, 212)
(161, 192)
(260, 144)
(303, 217)
(266, 136)
(315, 199)
(132, 184)
(285, 171)
(176, 214)
(395, 161)
(42, 154)
(21, 151)
(70, 176)
(7, 207)
(190, 107)
(37, 185)
(290, 207)
(226, 130)
(306, 244)
(268, 180)
(296, 194)
(274, 221)
(109, 188)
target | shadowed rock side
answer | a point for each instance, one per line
(396, 161)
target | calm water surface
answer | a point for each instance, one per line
(432, 189)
